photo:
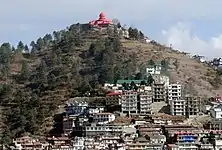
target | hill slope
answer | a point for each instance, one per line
(77, 61)
(198, 78)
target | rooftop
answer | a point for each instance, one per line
(129, 81)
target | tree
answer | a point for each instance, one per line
(56, 36)
(133, 33)
(24, 74)
(34, 49)
(20, 46)
(133, 85)
(119, 25)
(164, 64)
(138, 76)
(141, 35)
(26, 48)
(6, 46)
(124, 85)
(40, 44)
(47, 39)
(92, 49)
(151, 62)
(143, 83)
(116, 43)
(150, 80)
(117, 73)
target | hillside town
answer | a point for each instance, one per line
(153, 113)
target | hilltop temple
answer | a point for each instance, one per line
(101, 22)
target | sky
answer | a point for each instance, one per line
(192, 26)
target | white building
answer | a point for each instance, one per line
(153, 69)
(145, 100)
(78, 143)
(94, 110)
(177, 104)
(162, 80)
(103, 118)
(129, 102)
(216, 112)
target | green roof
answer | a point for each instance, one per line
(129, 81)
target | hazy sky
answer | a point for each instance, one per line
(190, 25)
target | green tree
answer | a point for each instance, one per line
(151, 62)
(24, 73)
(117, 72)
(20, 46)
(138, 76)
(150, 80)
(6, 47)
(92, 49)
(34, 49)
(141, 35)
(133, 33)
(164, 64)
(40, 44)
(26, 48)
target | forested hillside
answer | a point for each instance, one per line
(69, 63)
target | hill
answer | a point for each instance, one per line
(197, 78)
(76, 62)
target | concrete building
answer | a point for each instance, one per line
(75, 108)
(153, 69)
(159, 92)
(129, 102)
(103, 118)
(193, 104)
(145, 100)
(29, 143)
(216, 112)
(177, 104)
(68, 124)
(162, 79)
(113, 98)
(96, 129)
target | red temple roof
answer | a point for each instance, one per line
(101, 21)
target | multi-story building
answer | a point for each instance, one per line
(153, 69)
(159, 92)
(193, 104)
(163, 79)
(177, 104)
(29, 143)
(129, 102)
(68, 124)
(103, 118)
(113, 98)
(145, 100)
(75, 108)
(96, 129)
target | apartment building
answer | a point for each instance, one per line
(177, 104)
(129, 102)
(145, 100)
(96, 129)
(29, 143)
(153, 69)
(193, 104)
(163, 79)
(103, 118)
(113, 98)
(159, 92)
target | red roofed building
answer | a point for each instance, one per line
(113, 98)
(101, 22)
